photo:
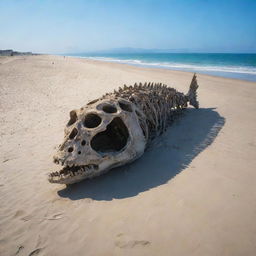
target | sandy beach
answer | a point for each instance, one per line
(193, 192)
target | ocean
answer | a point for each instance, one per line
(238, 66)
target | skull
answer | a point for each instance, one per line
(101, 135)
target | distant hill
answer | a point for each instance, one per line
(10, 52)
(142, 50)
(130, 50)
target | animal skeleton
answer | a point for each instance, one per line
(114, 130)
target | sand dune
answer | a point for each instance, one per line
(192, 193)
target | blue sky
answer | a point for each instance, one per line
(61, 26)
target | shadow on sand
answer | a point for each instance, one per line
(168, 155)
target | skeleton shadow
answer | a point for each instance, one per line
(167, 156)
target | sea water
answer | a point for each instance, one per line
(239, 66)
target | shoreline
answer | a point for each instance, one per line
(216, 70)
(153, 68)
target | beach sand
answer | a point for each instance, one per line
(193, 192)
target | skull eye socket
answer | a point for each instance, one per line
(73, 117)
(92, 121)
(109, 109)
(114, 138)
(125, 106)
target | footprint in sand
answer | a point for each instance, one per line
(35, 252)
(125, 243)
(19, 249)
(27, 218)
(19, 213)
(55, 217)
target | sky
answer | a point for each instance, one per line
(60, 26)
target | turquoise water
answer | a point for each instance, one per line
(240, 66)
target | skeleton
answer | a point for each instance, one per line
(115, 130)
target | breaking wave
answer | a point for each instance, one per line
(182, 66)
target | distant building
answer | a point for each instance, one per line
(13, 53)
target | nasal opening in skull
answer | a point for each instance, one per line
(73, 134)
(114, 138)
(109, 108)
(92, 121)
